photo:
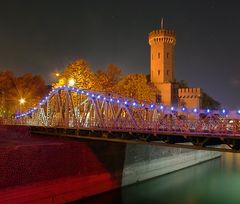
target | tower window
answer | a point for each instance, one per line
(167, 55)
(167, 72)
(158, 55)
(158, 72)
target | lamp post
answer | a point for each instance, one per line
(21, 103)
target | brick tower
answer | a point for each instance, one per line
(162, 42)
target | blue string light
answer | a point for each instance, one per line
(223, 111)
(183, 109)
(53, 91)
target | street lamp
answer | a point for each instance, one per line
(21, 102)
(71, 82)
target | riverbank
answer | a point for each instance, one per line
(52, 170)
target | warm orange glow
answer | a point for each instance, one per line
(57, 74)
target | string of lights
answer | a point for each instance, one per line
(132, 102)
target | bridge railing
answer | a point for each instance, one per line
(71, 107)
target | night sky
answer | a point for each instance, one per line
(42, 36)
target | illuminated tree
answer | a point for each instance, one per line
(136, 86)
(31, 88)
(28, 87)
(109, 78)
(81, 74)
(6, 84)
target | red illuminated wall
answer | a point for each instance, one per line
(51, 170)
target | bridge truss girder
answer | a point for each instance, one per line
(68, 107)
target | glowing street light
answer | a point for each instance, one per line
(57, 74)
(71, 82)
(22, 100)
(21, 103)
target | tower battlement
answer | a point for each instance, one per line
(165, 32)
(163, 36)
(190, 97)
(189, 92)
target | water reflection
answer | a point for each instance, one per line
(231, 161)
(216, 181)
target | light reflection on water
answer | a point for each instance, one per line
(216, 181)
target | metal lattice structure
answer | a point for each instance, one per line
(71, 107)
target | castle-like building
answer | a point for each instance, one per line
(162, 43)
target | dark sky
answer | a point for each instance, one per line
(41, 36)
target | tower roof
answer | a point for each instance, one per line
(162, 32)
(162, 35)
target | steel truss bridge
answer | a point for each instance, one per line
(71, 112)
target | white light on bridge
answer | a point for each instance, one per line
(195, 110)
(183, 109)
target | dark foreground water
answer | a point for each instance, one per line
(216, 181)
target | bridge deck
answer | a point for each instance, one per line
(192, 140)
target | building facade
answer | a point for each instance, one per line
(162, 43)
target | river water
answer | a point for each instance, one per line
(215, 181)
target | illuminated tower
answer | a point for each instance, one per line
(162, 44)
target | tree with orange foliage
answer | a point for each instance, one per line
(80, 72)
(28, 87)
(136, 86)
(109, 77)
